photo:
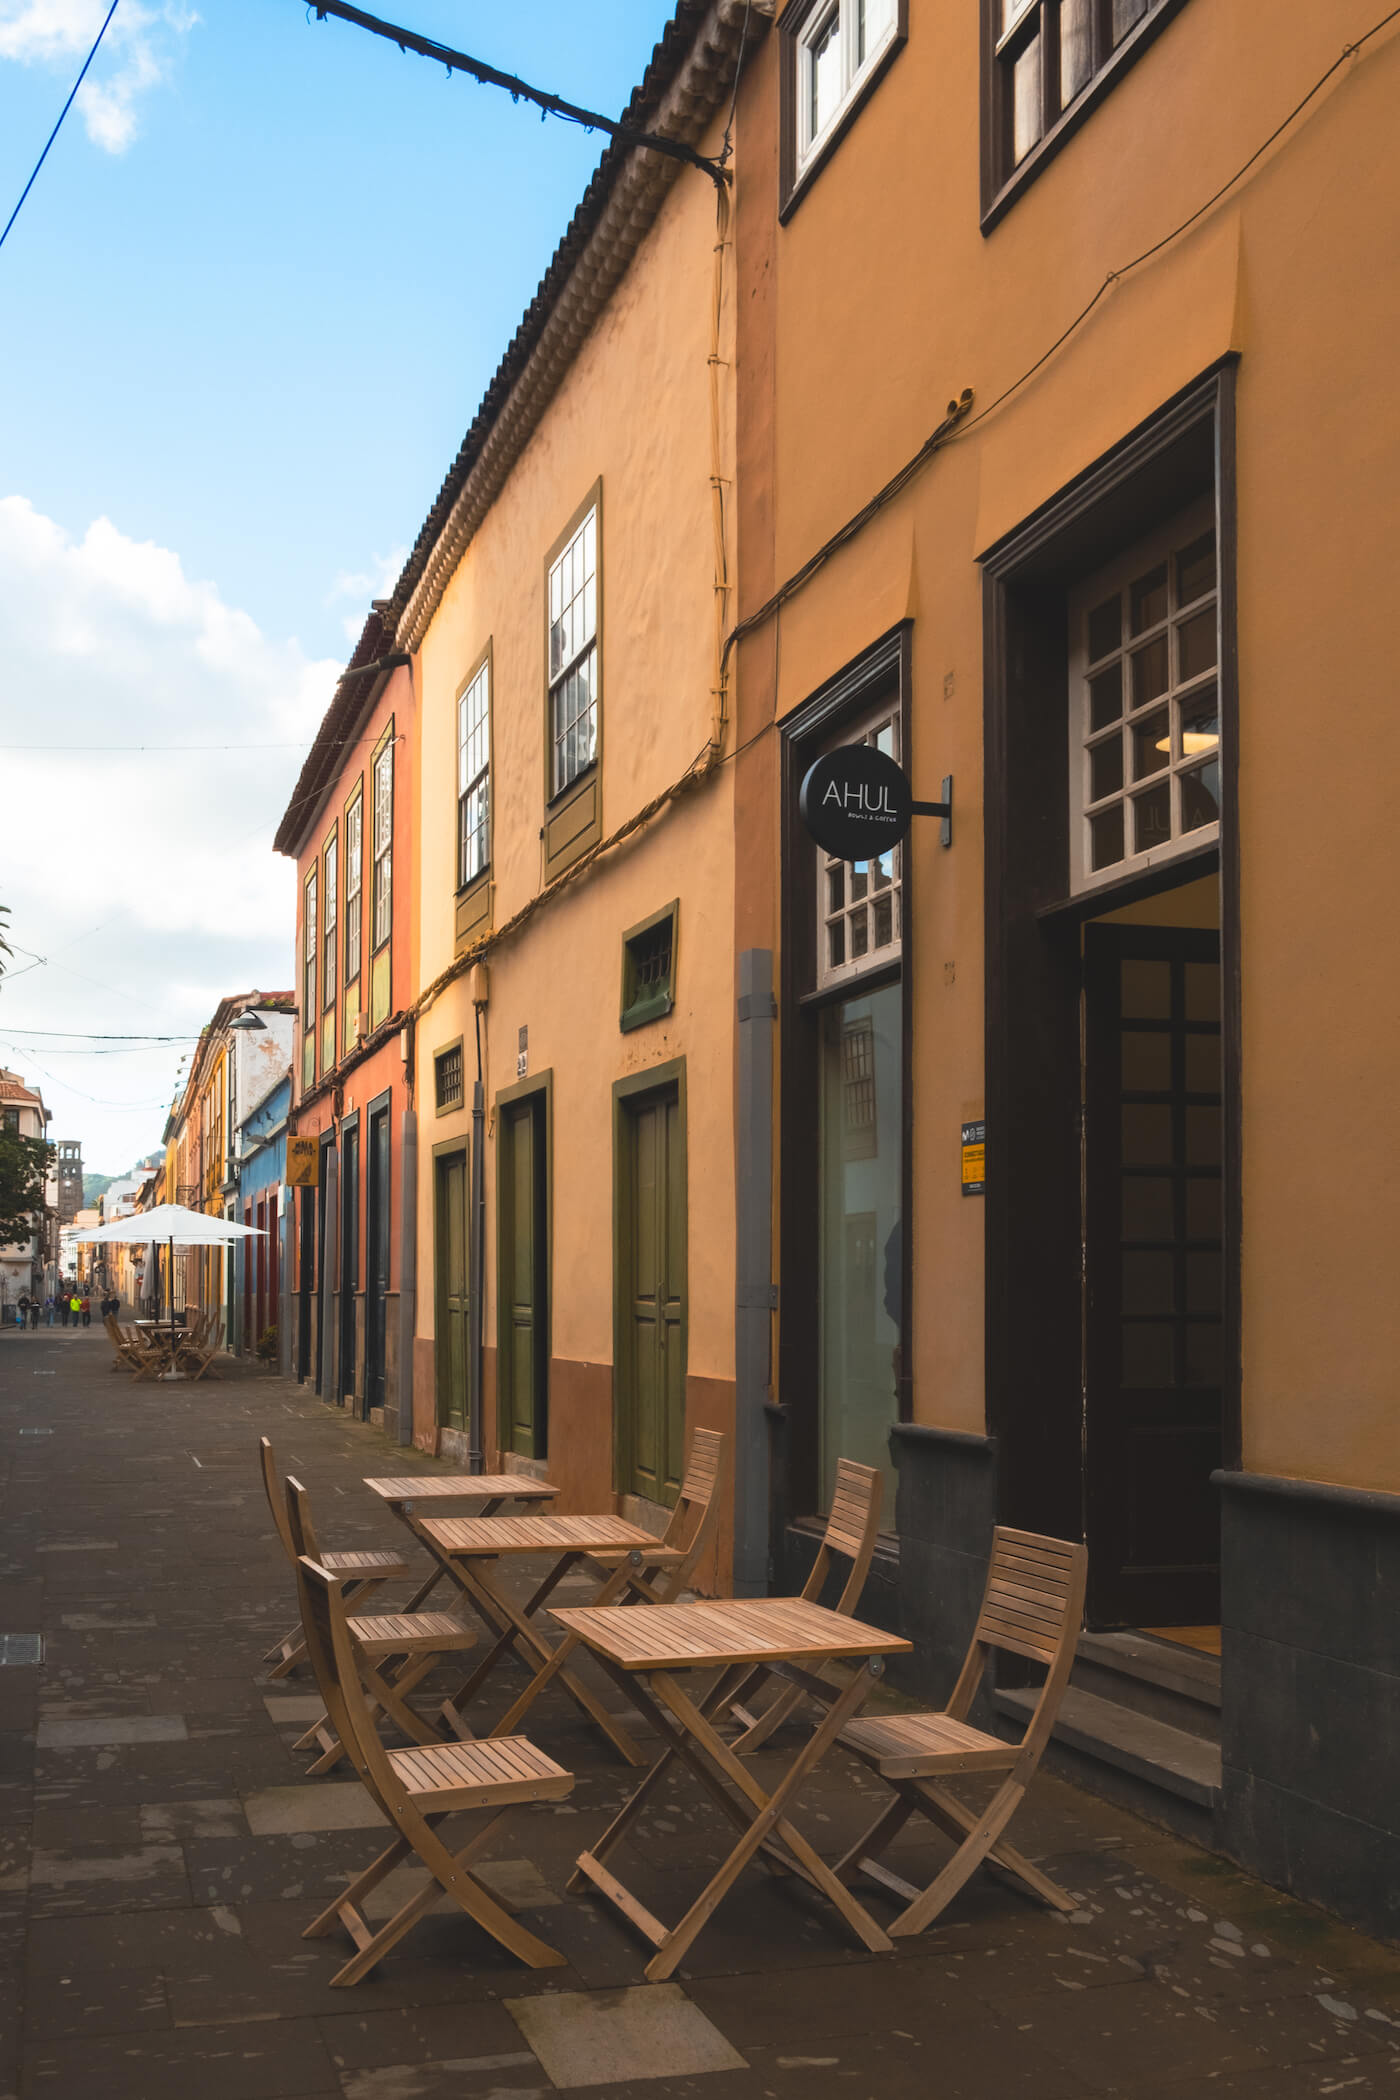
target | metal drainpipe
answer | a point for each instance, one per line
(476, 1307)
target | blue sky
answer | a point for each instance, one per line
(245, 318)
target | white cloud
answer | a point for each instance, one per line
(146, 877)
(137, 52)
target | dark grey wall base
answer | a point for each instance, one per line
(1310, 1717)
(945, 1511)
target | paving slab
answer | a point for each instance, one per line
(162, 1851)
(612, 2038)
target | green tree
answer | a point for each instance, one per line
(24, 1162)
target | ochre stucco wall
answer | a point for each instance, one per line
(633, 410)
(881, 299)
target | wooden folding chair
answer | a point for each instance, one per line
(1033, 1605)
(660, 1576)
(415, 1790)
(419, 1638)
(133, 1355)
(851, 1531)
(366, 1572)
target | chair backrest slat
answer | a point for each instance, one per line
(276, 1501)
(697, 1506)
(851, 1530)
(330, 1646)
(1034, 1595)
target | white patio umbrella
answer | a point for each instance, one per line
(172, 1225)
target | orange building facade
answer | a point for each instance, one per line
(1063, 1234)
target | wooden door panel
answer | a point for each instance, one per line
(652, 1251)
(524, 1278)
(1154, 1273)
(450, 1239)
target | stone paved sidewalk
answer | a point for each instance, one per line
(161, 1852)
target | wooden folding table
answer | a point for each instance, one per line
(646, 1652)
(468, 1547)
(410, 1495)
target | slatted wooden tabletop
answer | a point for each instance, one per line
(706, 1635)
(432, 1487)
(532, 1534)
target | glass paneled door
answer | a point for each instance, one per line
(1154, 1274)
(861, 1124)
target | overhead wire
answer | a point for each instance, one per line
(34, 177)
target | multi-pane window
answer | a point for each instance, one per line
(474, 778)
(383, 896)
(1045, 54)
(309, 1006)
(447, 1077)
(329, 910)
(859, 902)
(573, 656)
(1144, 655)
(837, 47)
(354, 863)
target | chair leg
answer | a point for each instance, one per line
(762, 1725)
(446, 1875)
(887, 1824)
(945, 1808)
(964, 1863)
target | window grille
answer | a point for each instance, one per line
(649, 970)
(329, 908)
(474, 778)
(383, 845)
(1144, 664)
(354, 860)
(447, 1074)
(573, 656)
(860, 903)
(309, 1006)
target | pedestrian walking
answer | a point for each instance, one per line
(33, 1314)
(86, 1307)
(49, 1310)
(75, 1306)
(22, 1310)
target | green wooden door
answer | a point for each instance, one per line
(652, 1255)
(523, 1282)
(450, 1245)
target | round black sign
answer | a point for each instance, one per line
(856, 802)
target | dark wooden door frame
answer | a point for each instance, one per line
(539, 1084)
(450, 1148)
(886, 666)
(351, 1219)
(306, 1278)
(628, 1094)
(1032, 936)
(379, 1238)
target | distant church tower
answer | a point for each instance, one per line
(70, 1182)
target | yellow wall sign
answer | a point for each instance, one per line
(974, 1159)
(303, 1162)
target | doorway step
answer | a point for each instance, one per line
(1140, 1725)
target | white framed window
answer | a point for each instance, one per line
(329, 912)
(860, 903)
(354, 865)
(573, 656)
(474, 778)
(383, 891)
(1144, 657)
(309, 978)
(837, 46)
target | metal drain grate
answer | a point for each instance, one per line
(21, 1648)
(36, 1432)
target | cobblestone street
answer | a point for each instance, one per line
(163, 1852)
